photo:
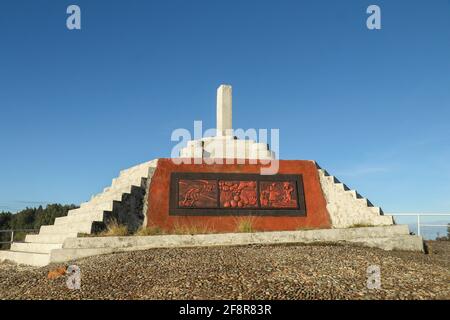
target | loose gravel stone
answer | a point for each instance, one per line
(325, 271)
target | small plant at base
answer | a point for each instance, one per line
(87, 235)
(192, 229)
(360, 225)
(245, 225)
(114, 229)
(149, 231)
(305, 228)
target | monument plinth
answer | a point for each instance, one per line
(216, 192)
(218, 195)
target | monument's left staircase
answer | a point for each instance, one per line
(125, 197)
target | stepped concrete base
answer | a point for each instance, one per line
(402, 242)
(35, 247)
(347, 207)
(28, 258)
(385, 237)
(123, 201)
(49, 238)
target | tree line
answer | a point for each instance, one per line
(30, 219)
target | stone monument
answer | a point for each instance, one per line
(167, 194)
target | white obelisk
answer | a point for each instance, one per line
(224, 110)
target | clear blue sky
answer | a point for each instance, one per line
(372, 107)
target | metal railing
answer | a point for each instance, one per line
(13, 232)
(418, 219)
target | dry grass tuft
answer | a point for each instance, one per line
(245, 224)
(149, 231)
(360, 225)
(114, 229)
(305, 228)
(192, 229)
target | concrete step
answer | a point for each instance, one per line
(28, 258)
(113, 194)
(110, 196)
(143, 173)
(388, 238)
(385, 220)
(340, 186)
(35, 247)
(332, 179)
(117, 186)
(131, 179)
(375, 210)
(394, 237)
(134, 179)
(77, 227)
(363, 201)
(378, 220)
(139, 166)
(353, 193)
(106, 205)
(91, 216)
(126, 182)
(401, 242)
(82, 211)
(50, 238)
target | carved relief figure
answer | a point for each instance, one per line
(277, 195)
(197, 193)
(288, 189)
(238, 194)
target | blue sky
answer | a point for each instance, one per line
(372, 107)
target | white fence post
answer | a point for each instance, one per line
(426, 215)
(418, 224)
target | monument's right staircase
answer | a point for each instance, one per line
(90, 217)
(347, 208)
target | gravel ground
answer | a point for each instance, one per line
(248, 272)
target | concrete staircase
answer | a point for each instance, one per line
(347, 208)
(90, 217)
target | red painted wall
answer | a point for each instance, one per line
(158, 210)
